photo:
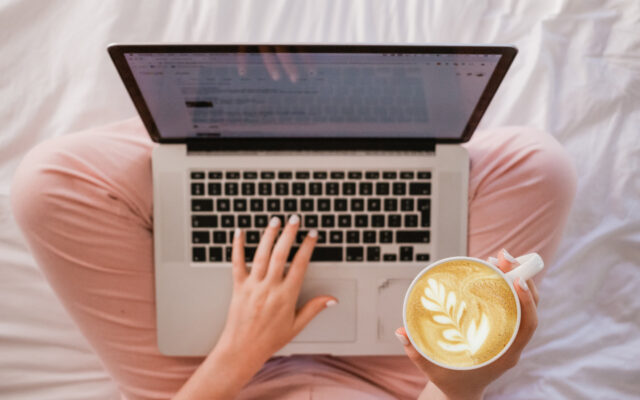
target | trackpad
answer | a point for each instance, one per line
(333, 324)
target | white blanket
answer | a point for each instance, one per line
(577, 75)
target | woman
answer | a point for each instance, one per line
(84, 203)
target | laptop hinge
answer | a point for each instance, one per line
(316, 144)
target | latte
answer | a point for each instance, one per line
(461, 313)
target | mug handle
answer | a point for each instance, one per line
(530, 265)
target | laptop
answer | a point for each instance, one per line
(363, 142)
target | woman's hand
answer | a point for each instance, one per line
(262, 315)
(470, 384)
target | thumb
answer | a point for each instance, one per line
(422, 363)
(311, 309)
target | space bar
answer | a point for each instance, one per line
(327, 254)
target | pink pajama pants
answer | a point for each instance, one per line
(84, 204)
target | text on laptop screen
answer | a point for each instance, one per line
(228, 95)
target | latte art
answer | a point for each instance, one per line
(461, 313)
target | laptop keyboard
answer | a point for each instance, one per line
(361, 215)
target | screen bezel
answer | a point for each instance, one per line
(117, 53)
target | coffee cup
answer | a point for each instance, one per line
(463, 313)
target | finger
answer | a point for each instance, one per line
(242, 61)
(506, 262)
(528, 319)
(287, 63)
(300, 262)
(239, 270)
(534, 291)
(270, 63)
(310, 310)
(263, 253)
(422, 363)
(282, 248)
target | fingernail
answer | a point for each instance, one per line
(237, 233)
(313, 233)
(331, 303)
(294, 219)
(523, 284)
(508, 256)
(402, 339)
(492, 260)
(275, 221)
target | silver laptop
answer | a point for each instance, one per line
(361, 141)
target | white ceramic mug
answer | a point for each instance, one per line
(530, 265)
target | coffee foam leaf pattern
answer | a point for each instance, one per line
(446, 310)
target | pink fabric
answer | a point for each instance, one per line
(84, 203)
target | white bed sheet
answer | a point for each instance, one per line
(577, 75)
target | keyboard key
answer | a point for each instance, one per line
(372, 175)
(199, 254)
(354, 175)
(319, 175)
(411, 220)
(424, 206)
(348, 188)
(200, 237)
(230, 236)
(422, 257)
(406, 204)
(260, 221)
(369, 236)
(390, 257)
(382, 188)
(219, 237)
(227, 221)
(197, 189)
(344, 220)
(406, 253)
(282, 188)
(300, 235)
(232, 175)
(362, 220)
(357, 204)
(337, 175)
(311, 221)
(215, 175)
(223, 205)
(340, 205)
(264, 188)
(328, 221)
(249, 252)
(244, 221)
(315, 188)
(394, 220)
(322, 236)
(389, 175)
(324, 204)
(386, 236)
(399, 188)
(273, 204)
(257, 205)
(215, 254)
(230, 188)
(373, 204)
(290, 204)
(377, 220)
(353, 236)
(424, 175)
(306, 204)
(248, 188)
(250, 175)
(215, 189)
(197, 175)
(201, 205)
(412, 236)
(366, 188)
(391, 204)
(298, 188)
(406, 174)
(204, 221)
(335, 236)
(419, 188)
(252, 236)
(267, 175)
(331, 188)
(281, 218)
(239, 205)
(324, 253)
(355, 253)
(302, 174)
(285, 175)
(373, 253)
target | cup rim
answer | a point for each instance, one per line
(442, 261)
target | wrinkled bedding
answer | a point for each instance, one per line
(577, 76)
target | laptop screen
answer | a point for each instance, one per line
(293, 93)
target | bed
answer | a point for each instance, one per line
(577, 76)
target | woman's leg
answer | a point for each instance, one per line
(521, 187)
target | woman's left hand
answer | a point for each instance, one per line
(470, 384)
